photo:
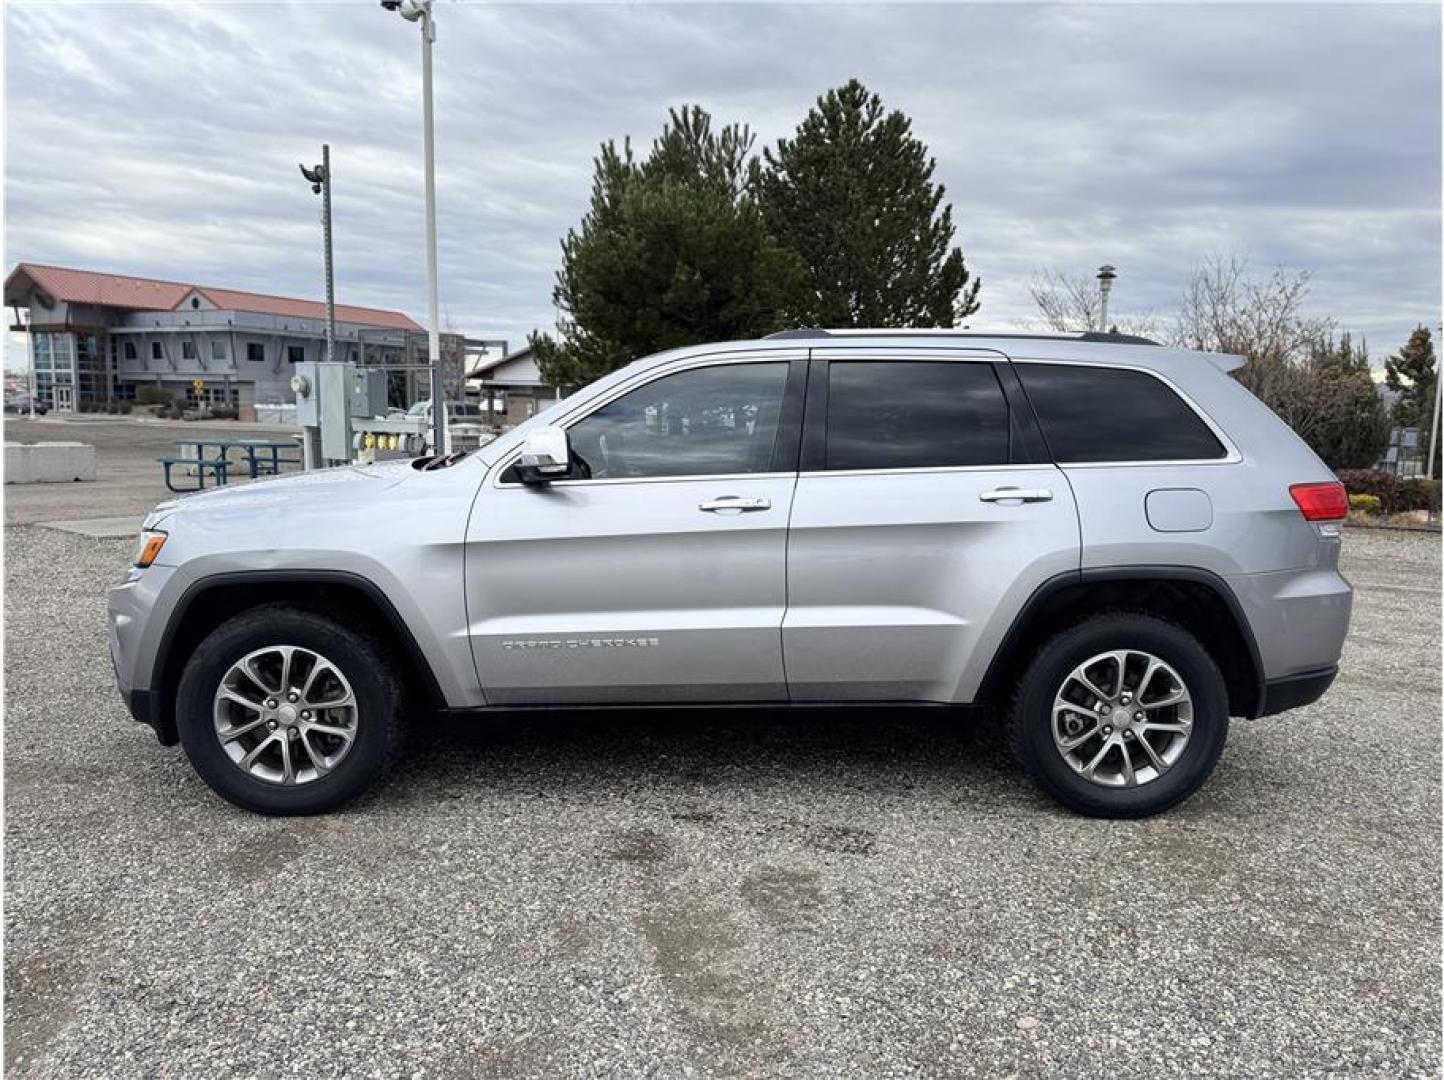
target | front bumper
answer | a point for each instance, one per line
(1295, 691)
(128, 611)
(146, 707)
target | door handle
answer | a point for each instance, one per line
(1009, 494)
(735, 503)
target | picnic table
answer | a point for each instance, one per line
(264, 457)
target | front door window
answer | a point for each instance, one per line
(711, 421)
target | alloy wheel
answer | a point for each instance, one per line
(285, 715)
(1122, 718)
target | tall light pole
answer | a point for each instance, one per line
(1434, 420)
(1106, 274)
(320, 178)
(419, 11)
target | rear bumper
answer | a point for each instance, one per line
(1295, 691)
(1299, 619)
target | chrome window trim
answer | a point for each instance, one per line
(842, 352)
(645, 378)
(1231, 453)
(1232, 459)
(924, 469)
(888, 353)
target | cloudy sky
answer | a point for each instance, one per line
(163, 140)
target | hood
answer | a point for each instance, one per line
(341, 482)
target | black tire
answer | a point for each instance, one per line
(362, 661)
(1030, 717)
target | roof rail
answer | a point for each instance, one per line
(1095, 336)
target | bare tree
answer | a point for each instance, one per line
(1065, 302)
(1319, 386)
(1263, 320)
(1071, 302)
(1224, 310)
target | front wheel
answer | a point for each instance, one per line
(1120, 716)
(284, 711)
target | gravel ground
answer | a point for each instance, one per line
(833, 893)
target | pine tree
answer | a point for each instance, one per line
(852, 192)
(1346, 421)
(673, 251)
(1412, 372)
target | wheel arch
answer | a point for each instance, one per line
(1196, 599)
(212, 600)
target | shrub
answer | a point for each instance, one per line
(1368, 505)
(1417, 493)
(1383, 486)
(125, 408)
(151, 394)
(1395, 496)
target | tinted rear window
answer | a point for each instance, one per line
(907, 415)
(1109, 414)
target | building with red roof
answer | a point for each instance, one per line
(97, 337)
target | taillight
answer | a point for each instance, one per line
(1321, 502)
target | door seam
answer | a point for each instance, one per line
(787, 537)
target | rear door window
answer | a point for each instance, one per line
(1095, 414)
(901, 414)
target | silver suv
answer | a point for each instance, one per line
(1113, 543)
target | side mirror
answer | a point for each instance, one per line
(545, 456)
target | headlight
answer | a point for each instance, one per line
(151, 541)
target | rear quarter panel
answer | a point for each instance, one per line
(1282, 569)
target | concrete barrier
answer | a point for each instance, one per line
(275, 414)
(48, 462)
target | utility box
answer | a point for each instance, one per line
(368, 393)
(323, 410)
(303, 384)
(333, 387)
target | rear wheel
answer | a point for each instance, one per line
(284, 711)
(1120, 716)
